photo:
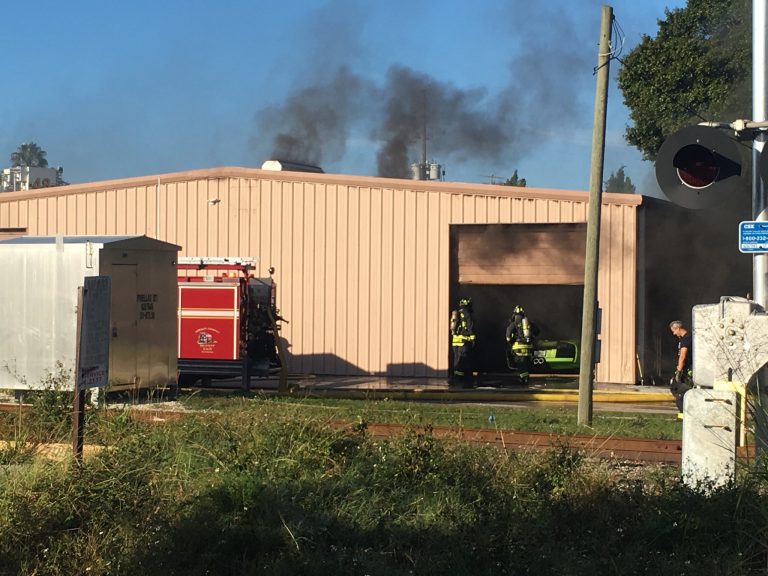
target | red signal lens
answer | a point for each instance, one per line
(696, 166)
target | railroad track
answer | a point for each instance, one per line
(632, 449)
(629, 449)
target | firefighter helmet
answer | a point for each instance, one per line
(519, 309)
(465, 302)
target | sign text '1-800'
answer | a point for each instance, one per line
(146, 304)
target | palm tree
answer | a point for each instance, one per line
(29, 154)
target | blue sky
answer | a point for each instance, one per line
(120, 89)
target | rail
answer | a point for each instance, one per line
(640, 450)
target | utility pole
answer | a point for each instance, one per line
(589, 314)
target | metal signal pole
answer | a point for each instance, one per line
(589, 314)
(759, 212)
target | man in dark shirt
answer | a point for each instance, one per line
(683, 379)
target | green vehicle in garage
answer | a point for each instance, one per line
(555, 356)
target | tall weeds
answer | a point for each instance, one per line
(254, 492)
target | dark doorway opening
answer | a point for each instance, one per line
(554, 311)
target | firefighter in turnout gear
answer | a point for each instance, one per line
(463, 341)
(519, 344)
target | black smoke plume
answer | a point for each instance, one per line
(459, 123)
(312, 126)
(334, 104)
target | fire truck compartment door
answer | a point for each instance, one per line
(209, 321)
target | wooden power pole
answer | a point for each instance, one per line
(588, 319)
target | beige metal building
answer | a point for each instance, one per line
(369, 268)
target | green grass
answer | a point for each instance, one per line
(530, 419)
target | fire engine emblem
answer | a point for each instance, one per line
(207, 339)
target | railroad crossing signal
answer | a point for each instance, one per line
(699, 166)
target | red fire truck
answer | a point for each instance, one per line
(227, 321)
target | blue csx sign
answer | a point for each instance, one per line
(753, 237)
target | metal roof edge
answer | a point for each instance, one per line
(81, 239)
(464, 188)
(655, 200)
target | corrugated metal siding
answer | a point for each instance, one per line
(490, 254)
(617, 294)
(362, 268)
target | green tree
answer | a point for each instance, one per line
(29, 154)
(698, 67)
(515, 181)
(619, 182)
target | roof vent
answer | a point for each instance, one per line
(287, 166)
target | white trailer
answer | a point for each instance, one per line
(38, 307)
